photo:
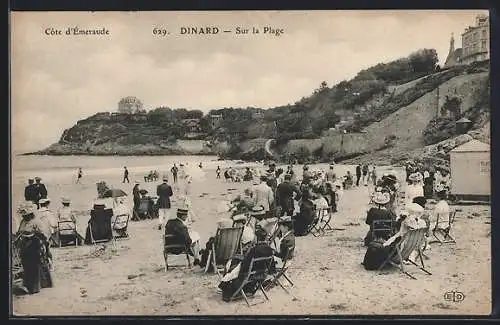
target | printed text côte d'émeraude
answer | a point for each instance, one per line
(51, 31)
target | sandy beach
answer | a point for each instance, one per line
(327, 272)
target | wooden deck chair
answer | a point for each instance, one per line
(314, 228)
(257, 273)
(411, 241)
(99, 229)
(281, 272)
(174, 249)
(67, 233)
(227, 243)
(120, 225)
(326, 219)
(443, 235)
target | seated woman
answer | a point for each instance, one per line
(378, 250)
(377, 213)
(182, 235)
(146, 205)
(65, 213)
(305, 217)
(239, 267)
(441, 213)
(32, 240)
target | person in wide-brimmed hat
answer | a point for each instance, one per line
(34, 253)
(47, 216)
(380, 212)
(414, 188)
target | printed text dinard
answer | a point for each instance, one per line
(75, 30)
(214, 30)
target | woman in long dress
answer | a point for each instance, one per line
(31, 239)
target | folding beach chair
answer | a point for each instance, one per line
(314, 228)
(443, 235)
(327, 217)
(120, 225)
(281, 272)
(67, 233)
(99, 228)
(227, 243)
(257, 273)
(170, 248)
(411, 241)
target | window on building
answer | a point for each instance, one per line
(484, 33)
(483, 45)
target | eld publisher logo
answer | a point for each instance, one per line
(454, 296)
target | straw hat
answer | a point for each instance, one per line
(381, 198)
(182, 211)
(65, 200)
(26, 208)
(258, 211)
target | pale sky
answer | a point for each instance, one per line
(57, 80)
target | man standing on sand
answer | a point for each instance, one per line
(218, 171)
(164, 192)
(30, 192)
(125, 175)
(365, 174)
(80, 174)
(41, 190)
(358, 174)
(174, 171)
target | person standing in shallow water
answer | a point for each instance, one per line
(125, 175)
(79, 176)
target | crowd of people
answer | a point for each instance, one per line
(280, 206)
(412, 213)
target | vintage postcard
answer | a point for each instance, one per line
(250, 163)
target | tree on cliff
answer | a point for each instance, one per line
(424, 60)
(130, 105)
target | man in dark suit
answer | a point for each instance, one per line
(358, 174)
(230, 283)
(125, 175)
(164, 192)
(284, 196)
(180, 236)
(41, 190)
(30, 192)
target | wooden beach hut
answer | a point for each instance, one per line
(470, 171)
